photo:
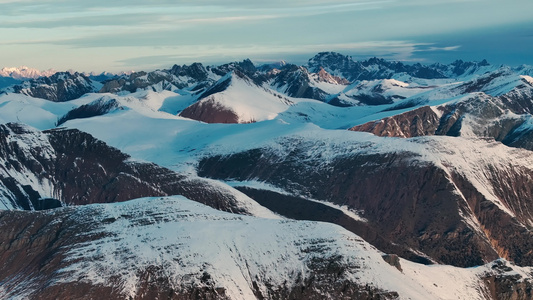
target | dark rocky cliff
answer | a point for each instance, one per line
(78, 169)
(409, 202)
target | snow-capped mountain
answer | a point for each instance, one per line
(411, 164)
(68, 167)
(181, 249)
(24, 72)
(60, 87)
(235, 98)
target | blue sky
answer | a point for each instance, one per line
(102, 35)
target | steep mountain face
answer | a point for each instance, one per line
(418, 122)
(461, 68)
(235, 98)
(195, 71)
(371, 69)
(75, 169)
(98, 107)
(425, 195)
(60, 87)
(140, 80)
(323, 76)
(504, 117)
(336, 64)
(85, 252)
(296, 82)
(193, 78)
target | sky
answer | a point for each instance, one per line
(114, 36)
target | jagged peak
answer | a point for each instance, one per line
(374, 61)
(195, 70)
(24, 72)
(460, 62)
(329, 55)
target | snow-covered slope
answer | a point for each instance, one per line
(235, 98)
(69, 167)
(384, 91)
(400, 185)
(181, 248)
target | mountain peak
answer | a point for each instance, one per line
(24, 72)
(327, 59)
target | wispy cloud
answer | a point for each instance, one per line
(159, 32)
(47, 14)
(448, 48)
(399, 50)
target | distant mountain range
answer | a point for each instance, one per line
(15, 75)
(25, 72)
(339, 179)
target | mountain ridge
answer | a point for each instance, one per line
(409, 164)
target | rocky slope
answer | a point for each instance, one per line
(455, 201)
(499, 107)
(60, 87)
(70, 167)
(86, 252)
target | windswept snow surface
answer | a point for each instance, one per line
(389, 88)
(43, 114)
(38, 113)
(188, 239)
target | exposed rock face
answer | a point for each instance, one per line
(373, 68)
(294, 81)
(236, 98)
(428, 206)
(77, 169)
(209, 111)
(324, 76)
(393, 260)
(24, 152)
(418, 122)
(96, 108)
(461, 68)
(507, 287)
(143, 80)
(113, 85)
(336, 63)
(503, 118)
(300, 208)
(63, 254)
(195, 71)
(60, 87)
(193, 77)
(245, 67)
